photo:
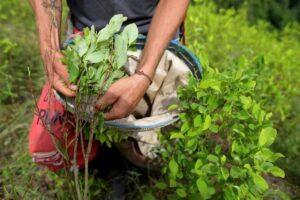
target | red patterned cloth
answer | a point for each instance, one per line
(52, 133)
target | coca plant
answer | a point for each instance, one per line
(94, 61)
(220, 149)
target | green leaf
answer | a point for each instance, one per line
(102, 138)
(173, 166)
(267, 136)
(91, 73)
(82, 47)
(115, 23)
(202, 109)
(149, 196)
(202, 187)
(239, 74)
(197, 121)
(97, 57)
(73, 73)
(113, 27)
(207, 122)
(191, 143)
(242, 115)
(235, 172)
(185, 127)
(172, 183)
(223, 159)
(181, 192)
(120, 51)
(260, 182)
(214, 128)
(198, 164)
(173, 107)
(246, 101)
(210, 168)
(117, 74)
(161, 185)
(229, 194)
(225, 173)
(267, 155)
(213, 158)
(132, 33)
(276, 171)
(176, 136)
(210, 83)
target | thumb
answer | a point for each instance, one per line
(107, 99)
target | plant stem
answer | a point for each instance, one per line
(89, 148)
(78, 190)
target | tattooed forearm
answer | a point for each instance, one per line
(53, 7)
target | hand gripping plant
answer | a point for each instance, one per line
(94, 62)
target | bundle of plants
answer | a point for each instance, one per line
(96, 59)
(94, 62)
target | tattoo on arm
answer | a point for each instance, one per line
(54, 11)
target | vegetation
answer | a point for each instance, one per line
(271, 56)
(278, 12)
(222, 146)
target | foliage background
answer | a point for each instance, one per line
(256, 35)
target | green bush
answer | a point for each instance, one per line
(278, 12)
(221, 149)
(271, 57)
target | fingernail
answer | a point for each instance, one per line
(73, 87)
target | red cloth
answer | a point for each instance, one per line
(59, 131)
(77, 31)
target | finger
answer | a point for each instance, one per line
(119, 110)
(60, 86)
(107, 99)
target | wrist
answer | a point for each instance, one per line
(145, 75)
(140, 80)
(147, 68)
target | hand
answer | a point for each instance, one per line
(123, 95)
(57, 73)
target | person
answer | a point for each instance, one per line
(159, 20)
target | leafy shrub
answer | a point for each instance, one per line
(221, 148)
(271, 57)
(278, 13)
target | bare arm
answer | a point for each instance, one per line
(48, 18)
(168, 17)
(125, 94)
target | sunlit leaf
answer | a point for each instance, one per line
(267, 136)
